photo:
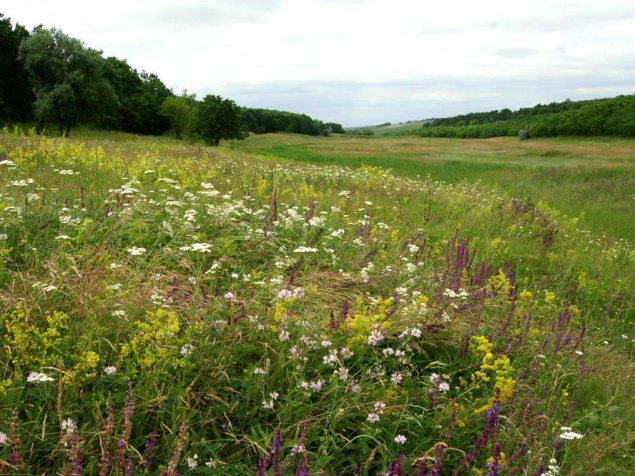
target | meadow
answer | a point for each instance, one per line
(175, 309)
(591, 178)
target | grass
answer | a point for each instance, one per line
(175, 309)
(589, 178)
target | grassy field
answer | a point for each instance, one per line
(171, 309)
(589, 178)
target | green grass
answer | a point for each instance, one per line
(169, 308)
(589, 178)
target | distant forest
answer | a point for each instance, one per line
(53, 81)
(595, 117)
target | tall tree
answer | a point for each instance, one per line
(16, 96)
(127, 84)
(67, 79)
(148, 101)
(178, 110)
(216, 118)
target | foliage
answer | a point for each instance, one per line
(178, 110)
(263, 121)
(16, 96)
(67, 79)
(597, 117)
(181, 309)
(216, 118)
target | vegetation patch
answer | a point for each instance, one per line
(169, 309)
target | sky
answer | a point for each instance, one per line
(362, 62)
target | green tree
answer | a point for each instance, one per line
(67, 79)
(127, 84)
(178, 110)
(148, 101)
(216, 118)
(16, 96)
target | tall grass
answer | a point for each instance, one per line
(175, 309)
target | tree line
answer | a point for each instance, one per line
(594, 117)
(56, 82)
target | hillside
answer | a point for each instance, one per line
(171, 309)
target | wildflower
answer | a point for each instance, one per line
(38, 377)
(380, 407)
(259, 371)
(4, 439)
(326, 343)
(343, 373)
(444, 387)
(346, 353)
(298, 448)
(229, 295)
(284, 335)
(567, 434)
(68, 425)
(305, 249)
(400, 439)
(373, 417)
(316, 386)
(397, 377)
(354, 387)
(187, 349)
(110, 370)
(192, 462)
(415, 333)
(375, 337)
(134, 251)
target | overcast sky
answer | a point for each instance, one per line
(362, 62)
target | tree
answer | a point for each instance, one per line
(67, 79)
(177, 109)
(16, 96)
(126, 82)
(216, 118)
(148, 101)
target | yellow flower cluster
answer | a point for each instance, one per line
(27, 344)
(500, 367)
(368, 319)
(155, 341)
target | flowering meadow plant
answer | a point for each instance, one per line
(171, 309)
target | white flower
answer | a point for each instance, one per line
(110, 370)
(380, 407)
(134, 251)
(187, 349)
(373, 417)
(38, 377)
(567, 434)
(68, 425)
(259, 371)
(305, 249)
(4, 439)
(191, 462)
(400, 439)
(444, 387)
(284, 335)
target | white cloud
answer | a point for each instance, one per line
(363, 61)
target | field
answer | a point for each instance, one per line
(260, 308)
(591, 178)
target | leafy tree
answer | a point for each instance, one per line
(67, 79)
(148, 101)
(16, 96)
(127, 84)
(216, 118)
(178, 110)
